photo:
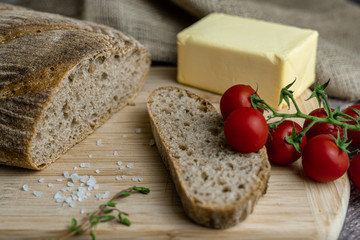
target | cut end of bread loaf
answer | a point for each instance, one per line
(218, 186)
(89, 95)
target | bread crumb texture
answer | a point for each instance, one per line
(211, 174)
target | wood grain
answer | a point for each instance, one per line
(293, 208)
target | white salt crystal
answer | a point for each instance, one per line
(124, 136)
(99, 142)
(25, 187)
(97, 171)
(74, 177)
(66, 189)
(50, 185)
(138, 130)
(64, 204)
(122, 167)
(59, 180)
(82, 184)
(116, 153)
(75, 168)
(152, 142)
(70, 184)
(72, 204)
(82, 211)
(123, 176)
(129, 165)
(118, 178)
(140, 179)
(68, 199)
(41, 180)
(100, 196)
(84, 165)
(83, 178)
(134, 179)
(66, 174)
(90, 155)
(96, 186)
(119, 163)
(91, 182)
(37, 193)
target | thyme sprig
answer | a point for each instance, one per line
(102, 214)
(335, 117)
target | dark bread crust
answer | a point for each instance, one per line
(219, 217)
(38, 50)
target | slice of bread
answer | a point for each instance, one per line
(218, 186)
(60, 79)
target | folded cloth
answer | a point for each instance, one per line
(156, 23)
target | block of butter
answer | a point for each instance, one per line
(221, 50)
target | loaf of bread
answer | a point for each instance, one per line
(218, 186)
(60, 79)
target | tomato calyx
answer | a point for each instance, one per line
(333, 116)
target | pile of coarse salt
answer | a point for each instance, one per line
(79, 187)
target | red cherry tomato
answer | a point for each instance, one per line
(354, 171)
(235, 97)
(246, 130)
(353, 135)
(278, 149)
(323, 160)
(321, 128)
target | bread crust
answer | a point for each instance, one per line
(38, 51)
(219, 217)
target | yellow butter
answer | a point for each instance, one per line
(222, 50)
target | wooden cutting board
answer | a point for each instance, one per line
(293, 208)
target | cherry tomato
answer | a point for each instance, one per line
(246, 130)
(323, 160)
(353, 135)
(235, 97)
(278, 149)
(321, 128)
(354, 171)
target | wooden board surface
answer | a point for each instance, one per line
(293, 208)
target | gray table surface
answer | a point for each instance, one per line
(351, 226)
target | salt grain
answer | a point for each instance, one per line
(70, 184)
(66, 174)
(96, 186)
(123, 176)
(59, 180)
(129, 165)
(41, 180)
(68, 199)
(138, 130)
(74, 177)
(84, 165)
(37, 193)
(122, 167)
(118, 178)
(75, 168)
(119, 163)
(152, 142)
(134, 179)
(50, 185)
(72, 204)
(140, 179)
(116, 153)
(99, 142)
(82, 211)
(90, 155)
(100, 196)
(25, 187)
(97, 171)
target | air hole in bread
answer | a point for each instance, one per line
(117, 57)
(204, 176)
(52, 69)
(165, 110)
(104, 76)
(230, 165)
(183, 147)
(226, 189)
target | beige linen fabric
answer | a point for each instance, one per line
(155, 23)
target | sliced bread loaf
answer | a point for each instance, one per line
(60, 79)
(218, 186)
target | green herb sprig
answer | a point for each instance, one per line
(335, 117)
(103, 214)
